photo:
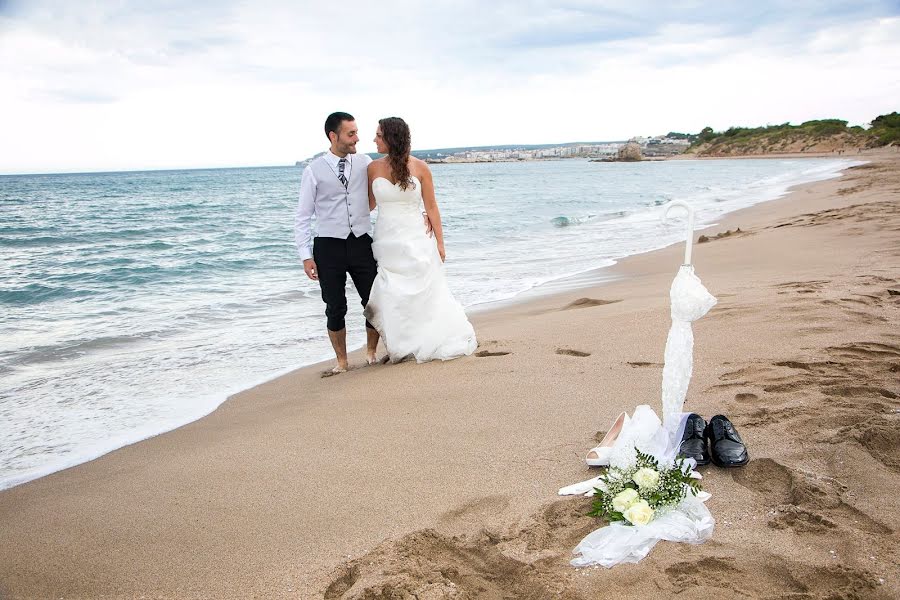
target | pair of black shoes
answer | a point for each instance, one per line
(718, 441)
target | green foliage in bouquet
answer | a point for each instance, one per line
(635, 494)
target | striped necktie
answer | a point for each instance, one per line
(341, 164)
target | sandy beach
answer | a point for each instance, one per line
(439, 480)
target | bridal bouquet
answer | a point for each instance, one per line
(636, 494)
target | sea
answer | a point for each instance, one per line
(132, 303)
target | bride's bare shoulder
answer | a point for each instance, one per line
(419, 168)
(378, 167)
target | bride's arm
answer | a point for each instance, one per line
(370, 171)
(431, 208)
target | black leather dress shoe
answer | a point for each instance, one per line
(726, 448)
(693, 442)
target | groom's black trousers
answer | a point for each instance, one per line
(335, 258)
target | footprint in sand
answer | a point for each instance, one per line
(568, 352)
(638, 363)
(721, 235)
(587, 303)
(804, 287)
(793, 364)
(865, 350)
(344, 580)
(746, 397)
(858, 391)
(804, 503)
(814, 330)
(719, 573)
(483, 353)
(768, 575)
(734, 310)
(767, 477)
(476, 563)
(434, 565)
(881, 439)
(476, 511)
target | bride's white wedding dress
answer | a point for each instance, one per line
(410, 304)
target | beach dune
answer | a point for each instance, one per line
(439, 480)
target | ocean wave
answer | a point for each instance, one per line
(37, 293)
(73, 349)
(569, 221)
(40, 241)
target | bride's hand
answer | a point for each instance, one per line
(441, 252)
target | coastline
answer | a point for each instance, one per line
(273, 476)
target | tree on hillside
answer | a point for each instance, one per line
(892, 120)
(886, 128)
(674, 135)
(705, 135)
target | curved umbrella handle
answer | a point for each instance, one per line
(690, 224)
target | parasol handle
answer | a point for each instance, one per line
(690, 224)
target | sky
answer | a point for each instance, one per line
(119, 85)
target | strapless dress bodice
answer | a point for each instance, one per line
(392, 201)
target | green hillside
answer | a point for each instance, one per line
(825, 135)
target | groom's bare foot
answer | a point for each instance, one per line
(334, 371)
(371, 359)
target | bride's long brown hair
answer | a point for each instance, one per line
(395, 133)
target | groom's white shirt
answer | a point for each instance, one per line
(338, 212)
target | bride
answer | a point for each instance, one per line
(410, 304)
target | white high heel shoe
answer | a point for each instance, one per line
(599, 456)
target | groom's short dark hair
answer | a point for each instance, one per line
(334, 120)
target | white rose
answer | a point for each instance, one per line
(625, 499)
(646, 478)
(639, 513)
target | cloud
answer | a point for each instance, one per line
(74, 96)
(227, 83)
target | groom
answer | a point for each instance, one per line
(334, 188)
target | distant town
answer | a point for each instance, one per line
(650, 147)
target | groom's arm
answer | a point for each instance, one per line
(303, 222)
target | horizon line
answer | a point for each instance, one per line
(214, 168)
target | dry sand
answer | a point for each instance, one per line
(439, 480)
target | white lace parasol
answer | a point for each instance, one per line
(690, 301)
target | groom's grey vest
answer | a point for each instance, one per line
(340, 211)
